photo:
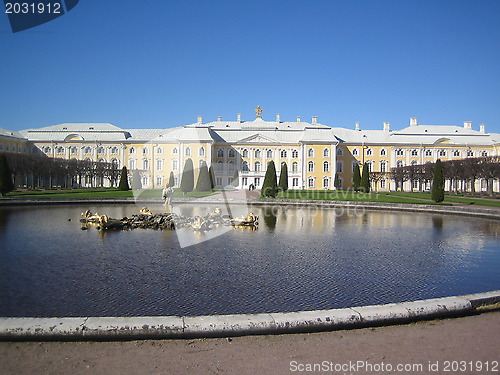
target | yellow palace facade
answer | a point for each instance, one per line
(313, 152)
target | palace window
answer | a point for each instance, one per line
(175, 165)
(145, 164)
(484, 153)
(354, 165)
(295, 167)
(159, 180)
(159, 150)
(244, 181)
(257, 154)
(115, 163)
(88, 150)
(188, 151)
(369, 152)
(326, 182)
(399, 163)
(355, 152)
(295, 182)
(283, 153)
(295, 154)
(382, 183)
(383, 152)
(220, 166)
(442, 153)
(414, 153)
(470, 153)
(383, 166)
(60, 150)
(220, 153)
(340, 152)
(132, 150)
(114, 150)
(231, 166)
(159, 165)
(310, 166)
(326, 167)
(269, 154)
(245, 153)
(310, 153)
(456, 153)
(175, 151)
(326, 153)
(399, 152)
(257, 166)
(131, 164)
(414, 162)
(339, 166)
(145, 151)
(310, 182)
(201, 152)
(428, 153)
(231, 153)
(244, 166)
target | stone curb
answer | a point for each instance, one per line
(161, 327)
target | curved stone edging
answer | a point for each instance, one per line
(161, 327)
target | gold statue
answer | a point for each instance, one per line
(258, 111)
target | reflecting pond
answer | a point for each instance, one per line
(297, 259)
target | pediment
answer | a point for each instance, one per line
(258, 139)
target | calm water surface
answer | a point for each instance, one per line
(298, 259)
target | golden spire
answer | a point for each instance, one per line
(258, 111)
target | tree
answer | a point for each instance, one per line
(211, 174)
(438, 182)
(356, 178)
(236, 178)
(283, 183)
(336, 182)
(171, 180)
(270, 185)
(365, 179)
(203, 182)
(187, 179)
(6, 183)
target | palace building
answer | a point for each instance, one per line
(313, 152)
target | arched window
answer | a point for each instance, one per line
(231, 166)
(257, 166)
(245, 153)
(383, 152)
(428, 152)
(383, 166)
(340, 166)
(60, 150)
(399, 152)
(257, 154)
(131, 164)
(220, 153)
(175, 165)
(175, 151)
(244, 166)
(115, 163)
(101, 160)
(326, 153)
(484, 153)
(355, 152)
(145, 164)
(201, 151)
(310, 153)
(470, 153)
(159, 150)
(399, 163)
(88, 150)
(310, 182)
(188, 151)
(159, 165)
(326, 182)
(73, 150)
(456, 153)
(283, 153)
(310, 166)
(326, 167)
(145, 151)
(231, 153)
(132, 150)
(369, 152)
(114, 150)
(269, 154)
(295, 167)
(442, 153)
(414, 153)
(413, 162)
(340, 152)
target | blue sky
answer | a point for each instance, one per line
(158, 64)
